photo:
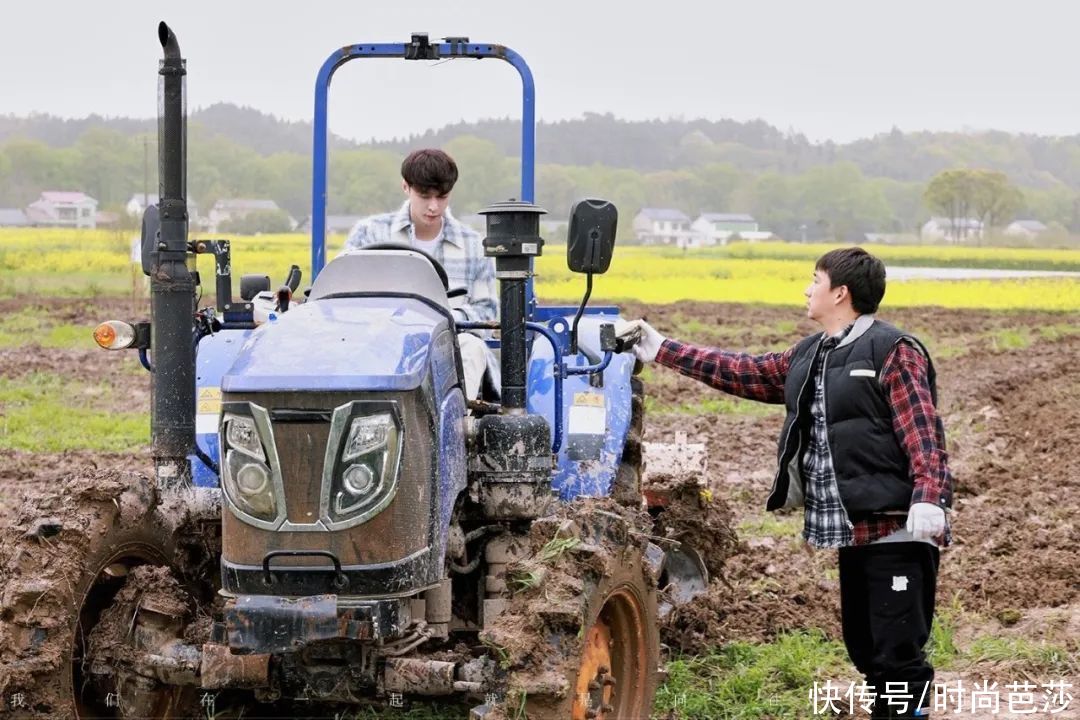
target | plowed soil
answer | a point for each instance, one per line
(1012, 417)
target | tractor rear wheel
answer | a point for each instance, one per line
(63, 565)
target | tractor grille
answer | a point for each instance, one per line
(400, 533)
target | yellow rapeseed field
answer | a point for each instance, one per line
(67, 262)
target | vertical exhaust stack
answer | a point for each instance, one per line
(513, 239)
(513, 449)
(172, 286)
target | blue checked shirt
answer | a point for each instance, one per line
(460, 250)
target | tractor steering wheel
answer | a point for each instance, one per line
(439, 269)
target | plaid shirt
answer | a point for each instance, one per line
(460, 250)
(915, 422)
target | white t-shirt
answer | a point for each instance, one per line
(428, 246)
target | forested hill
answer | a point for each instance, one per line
(245, 126)
(645, 146)
(792, 186)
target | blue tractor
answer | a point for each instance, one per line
(332, 523)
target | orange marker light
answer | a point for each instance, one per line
(114, 335)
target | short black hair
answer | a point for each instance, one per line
(863, 274)
(429, 170)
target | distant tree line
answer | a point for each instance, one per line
(890, 183)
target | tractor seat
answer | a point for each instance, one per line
(380, 271)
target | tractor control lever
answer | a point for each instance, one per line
(284, 297)
(293, 278)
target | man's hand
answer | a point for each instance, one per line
(926, 521)
(642, 336)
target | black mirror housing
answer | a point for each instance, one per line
(252, 285)
(151, 231)
(590, 241)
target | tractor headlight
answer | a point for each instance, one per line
(248, 475)
(241, 434)
(363, 457)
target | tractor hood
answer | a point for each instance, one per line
(358, 343)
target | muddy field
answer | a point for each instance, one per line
(1012, 415)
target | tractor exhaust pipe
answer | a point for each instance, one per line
(513, 449)
(172, 286)
(513, 239)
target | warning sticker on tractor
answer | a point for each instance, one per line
(589, 399)
(587, 420)
(587, 414)
(209, 400)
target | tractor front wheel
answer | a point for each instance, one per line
(601, 650)
(64, 567)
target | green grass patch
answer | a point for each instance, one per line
(1057, 332)
(33, 326)
(744, 680)
(1041, 657)
(941, 648)
(771, 525)
(722, 405)
(67, 284)
(1010, 339)
(41, 412)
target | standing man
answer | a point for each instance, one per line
(424, 222)
(863, 450)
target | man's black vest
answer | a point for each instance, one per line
(871, 467)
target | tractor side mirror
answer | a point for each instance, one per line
(590, 240)
(151, 229)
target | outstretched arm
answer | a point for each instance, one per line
(754, 377)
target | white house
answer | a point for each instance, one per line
(943, 228)
(63, 209)
(662, 226)
(712, 228)
(138, 203)
(1026, 229)
(236, 209)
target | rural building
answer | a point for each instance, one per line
(138, 203)
(61, 208)
(942, 228)
(720, 228)
(237, 209)
(662, 226)
(1026, 229)
(13, 217)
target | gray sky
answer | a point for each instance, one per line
(828, 68)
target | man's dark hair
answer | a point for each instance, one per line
(863, 274)
(430, 170)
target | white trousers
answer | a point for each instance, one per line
(474, 359)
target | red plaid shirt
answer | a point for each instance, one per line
(903, 376)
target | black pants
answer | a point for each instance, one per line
(886, 608)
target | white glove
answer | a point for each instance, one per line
(646, 340)
(926, 521)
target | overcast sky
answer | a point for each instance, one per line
(834, 69)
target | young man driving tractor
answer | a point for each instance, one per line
(425, 223)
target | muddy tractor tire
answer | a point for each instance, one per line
(601, 649)
(626, 488)
(63, 564)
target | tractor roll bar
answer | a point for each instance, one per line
(419, 48)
